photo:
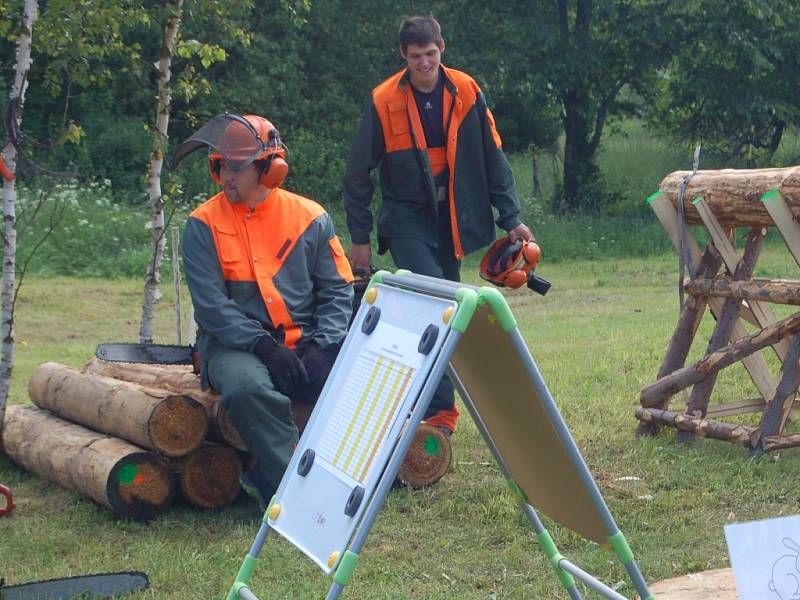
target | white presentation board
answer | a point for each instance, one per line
(358, 420)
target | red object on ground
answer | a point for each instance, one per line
(9, 501)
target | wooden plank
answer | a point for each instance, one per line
(719, 584)
(761, 312)
(741, 407)
(755, 364)
(784, 220)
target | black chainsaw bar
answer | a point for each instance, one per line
(158, 354)
(95, 587)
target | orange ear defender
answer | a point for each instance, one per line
(508, 264)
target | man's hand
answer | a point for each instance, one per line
(285, 368)
(360, 257)
(521, 232)
(318, 363)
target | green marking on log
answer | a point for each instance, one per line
(431, 445)
(127, 474)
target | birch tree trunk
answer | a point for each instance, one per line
(156, 224)
(30, 13)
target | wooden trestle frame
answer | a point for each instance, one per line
(732, 297)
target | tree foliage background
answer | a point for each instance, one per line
(556, 72)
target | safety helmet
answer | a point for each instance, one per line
(508, 264)
(239, 141)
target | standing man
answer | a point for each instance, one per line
(442, 169)
(271, 289)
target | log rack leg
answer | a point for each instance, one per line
(701, 392)
(681, 342)
(777, 410)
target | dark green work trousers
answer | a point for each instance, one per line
(435, 261)
(260, 413)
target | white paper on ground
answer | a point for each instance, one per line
(765, 556)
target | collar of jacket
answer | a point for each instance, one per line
(259, 209)
(448, 83)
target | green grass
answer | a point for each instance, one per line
(598, 337)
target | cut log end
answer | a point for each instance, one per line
(224, 431)
(428, 458)
(178, 425)
(140, 487)
(209, 476)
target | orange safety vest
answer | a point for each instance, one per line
(252, 245)
(396, 108)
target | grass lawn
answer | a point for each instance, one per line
(598, 337)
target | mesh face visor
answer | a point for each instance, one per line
(234, 138)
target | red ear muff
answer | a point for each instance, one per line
(275, 173)
(214, 165)
(532, 253)
(515, 279)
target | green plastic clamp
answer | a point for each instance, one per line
(771, 194)
(344, 572)
(243, 576)
(497, 302)
(467, 305)
(621, 548)
(378, 278)
(696, 200)
(555, 557)
(515, 489)
(652, 197)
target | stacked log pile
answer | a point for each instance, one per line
(129, 445)
(133, 436)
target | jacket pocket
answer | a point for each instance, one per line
(398, 117)
(408, 178)
(340, 260)
(228, 247)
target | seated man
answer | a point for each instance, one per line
(271, 290)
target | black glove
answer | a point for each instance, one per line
(284, 366)
(318, 364)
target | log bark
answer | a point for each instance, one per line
(656, 392)
(180, 380)
(734, 194)
(171, 424)
(209, 476)
(698, 426)
(131, 482)
(777, 291)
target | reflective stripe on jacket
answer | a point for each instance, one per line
(390, 134)
(278, 269)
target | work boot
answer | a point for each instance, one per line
(253, 483)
